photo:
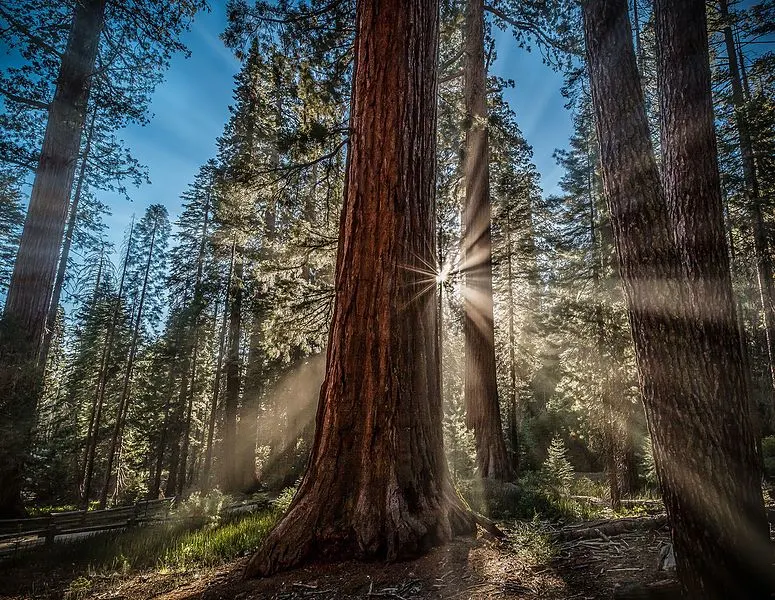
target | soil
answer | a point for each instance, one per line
(468, 568)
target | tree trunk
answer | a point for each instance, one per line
(377, 483)
(676, 278)
(175, 429)
(95, 420)
(481, 387)
(602, 346)
(753, 196)
(233, 381)
(155, 489)
(725, 560)
(189, 412)
(123, 404)
(513, 409)
(65, 255)
(205, 482)
(26, 306)
(251, 399)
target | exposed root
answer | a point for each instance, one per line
(305, 534)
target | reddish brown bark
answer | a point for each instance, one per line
(675, 271)
(377, 484)
(26, 307)
(481, 388)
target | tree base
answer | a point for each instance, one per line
(312, 530)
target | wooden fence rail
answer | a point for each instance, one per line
(21, 533)
(81, 521)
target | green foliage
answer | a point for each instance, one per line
(768, 456)
(649, 468)
(176, 546)
(528, 498)
(78, 588)
(557, 470)
(532, 541)
(214, 546)
(205, 507)
(283, 501)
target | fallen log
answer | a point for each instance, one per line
(613, 527)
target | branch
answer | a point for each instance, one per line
(22, 100)
(21, 28)
(522, 26)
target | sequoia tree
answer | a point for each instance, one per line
(377, 484)
(675, 272)
(26, 307)
(481, 386)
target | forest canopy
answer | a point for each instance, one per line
(366, 294)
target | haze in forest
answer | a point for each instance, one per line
(479, 295)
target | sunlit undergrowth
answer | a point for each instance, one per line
(201, 538)
(532, 541)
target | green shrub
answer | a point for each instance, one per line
(768, 455)
(284, 499)
(205, 507)
(557, 469)
(532, 541)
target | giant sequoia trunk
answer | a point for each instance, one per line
(26, 306)
(377, 483)
(675, 270)
(481, 388)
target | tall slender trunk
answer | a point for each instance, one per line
(26, 306)
(233, 381)
(189, 412)
(155, 489)
(123, 404)
(259, 366)
(81, 467)
(679, 296)
(481, 387)
(176, 426)
(602, 347)
(218, 372)
(513, 407)
(95, 417)
(377, 483)
(255, 373)
(753, 197)
(65, 254)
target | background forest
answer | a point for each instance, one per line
(185, 355)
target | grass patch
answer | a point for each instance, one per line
(532, 542)
(212, 546)
(170, 547)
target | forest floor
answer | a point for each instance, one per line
(530, 562)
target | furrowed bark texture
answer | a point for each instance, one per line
(724, 535)
(377, 484)
(481, 387)
(675, 272)
(26, 307)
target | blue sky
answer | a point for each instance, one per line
(191, 107)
